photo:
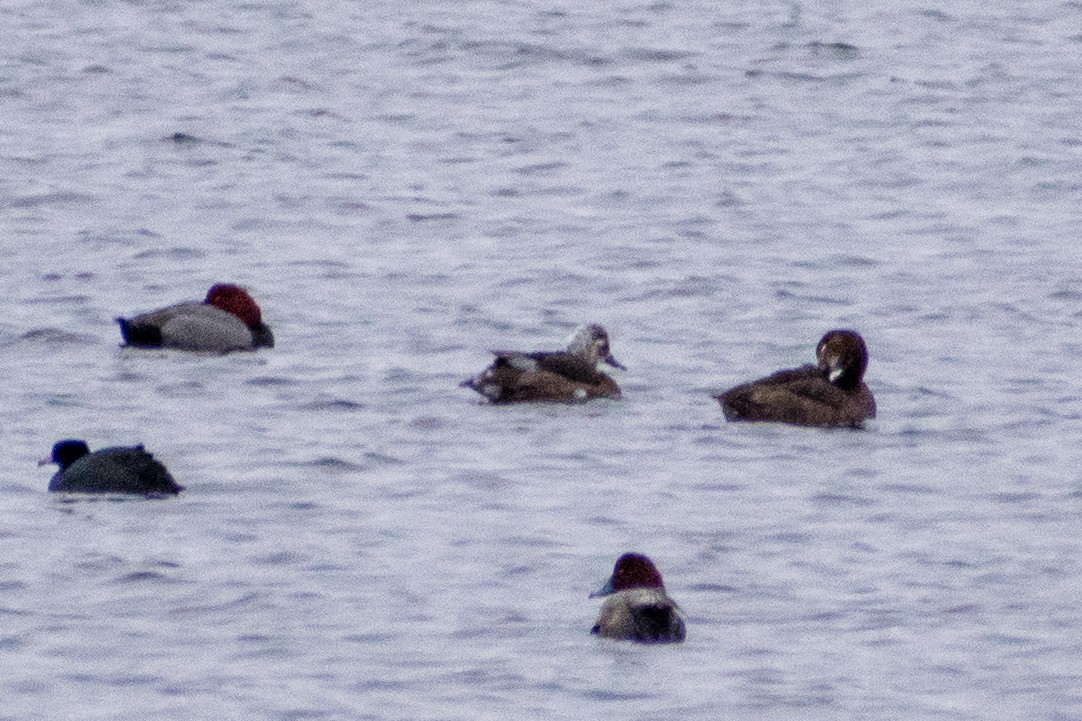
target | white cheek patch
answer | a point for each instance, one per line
(524, 363)
(580, 394)
(836, 374)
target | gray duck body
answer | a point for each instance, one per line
(228, 320)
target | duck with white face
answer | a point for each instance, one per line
(566, 376)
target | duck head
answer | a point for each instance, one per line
(236, 300)
(591, 342)
(66, 452)
(843, 357)
(632, 570)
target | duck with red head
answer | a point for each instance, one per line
(637, 607)
(830, 393)
(228, 320)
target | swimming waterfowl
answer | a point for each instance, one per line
(830, 393)
(637, 607)
(228, 320)
(121, 469)
(570, 375)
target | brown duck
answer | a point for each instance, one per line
(570, 375)
(830, 393)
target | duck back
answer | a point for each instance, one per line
(570, 375)
(188, 326)
(645, 615)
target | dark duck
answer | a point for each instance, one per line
(830, 393)
(121, 469)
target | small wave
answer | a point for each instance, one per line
(332, 404)
(430, 217)
(339, 465)
(271, 381)
(52, 199)
(145, 576)
(54, 336)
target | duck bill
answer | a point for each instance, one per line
(607, 590)
(614, 363)
(44, 462)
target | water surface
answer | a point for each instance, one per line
(406, 186)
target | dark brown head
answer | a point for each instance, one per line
(236, 300)
(632, 570)
(843, 357)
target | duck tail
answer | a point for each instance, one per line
(145, 335)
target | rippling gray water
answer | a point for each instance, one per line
(404, 186)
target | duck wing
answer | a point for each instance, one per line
(658, 622)
(779, 396)
(567, 365)
(145, 330)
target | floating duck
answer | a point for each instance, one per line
(570, 375)
(228, 320)
(637, 607)
(830, 393)
(121, 469)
